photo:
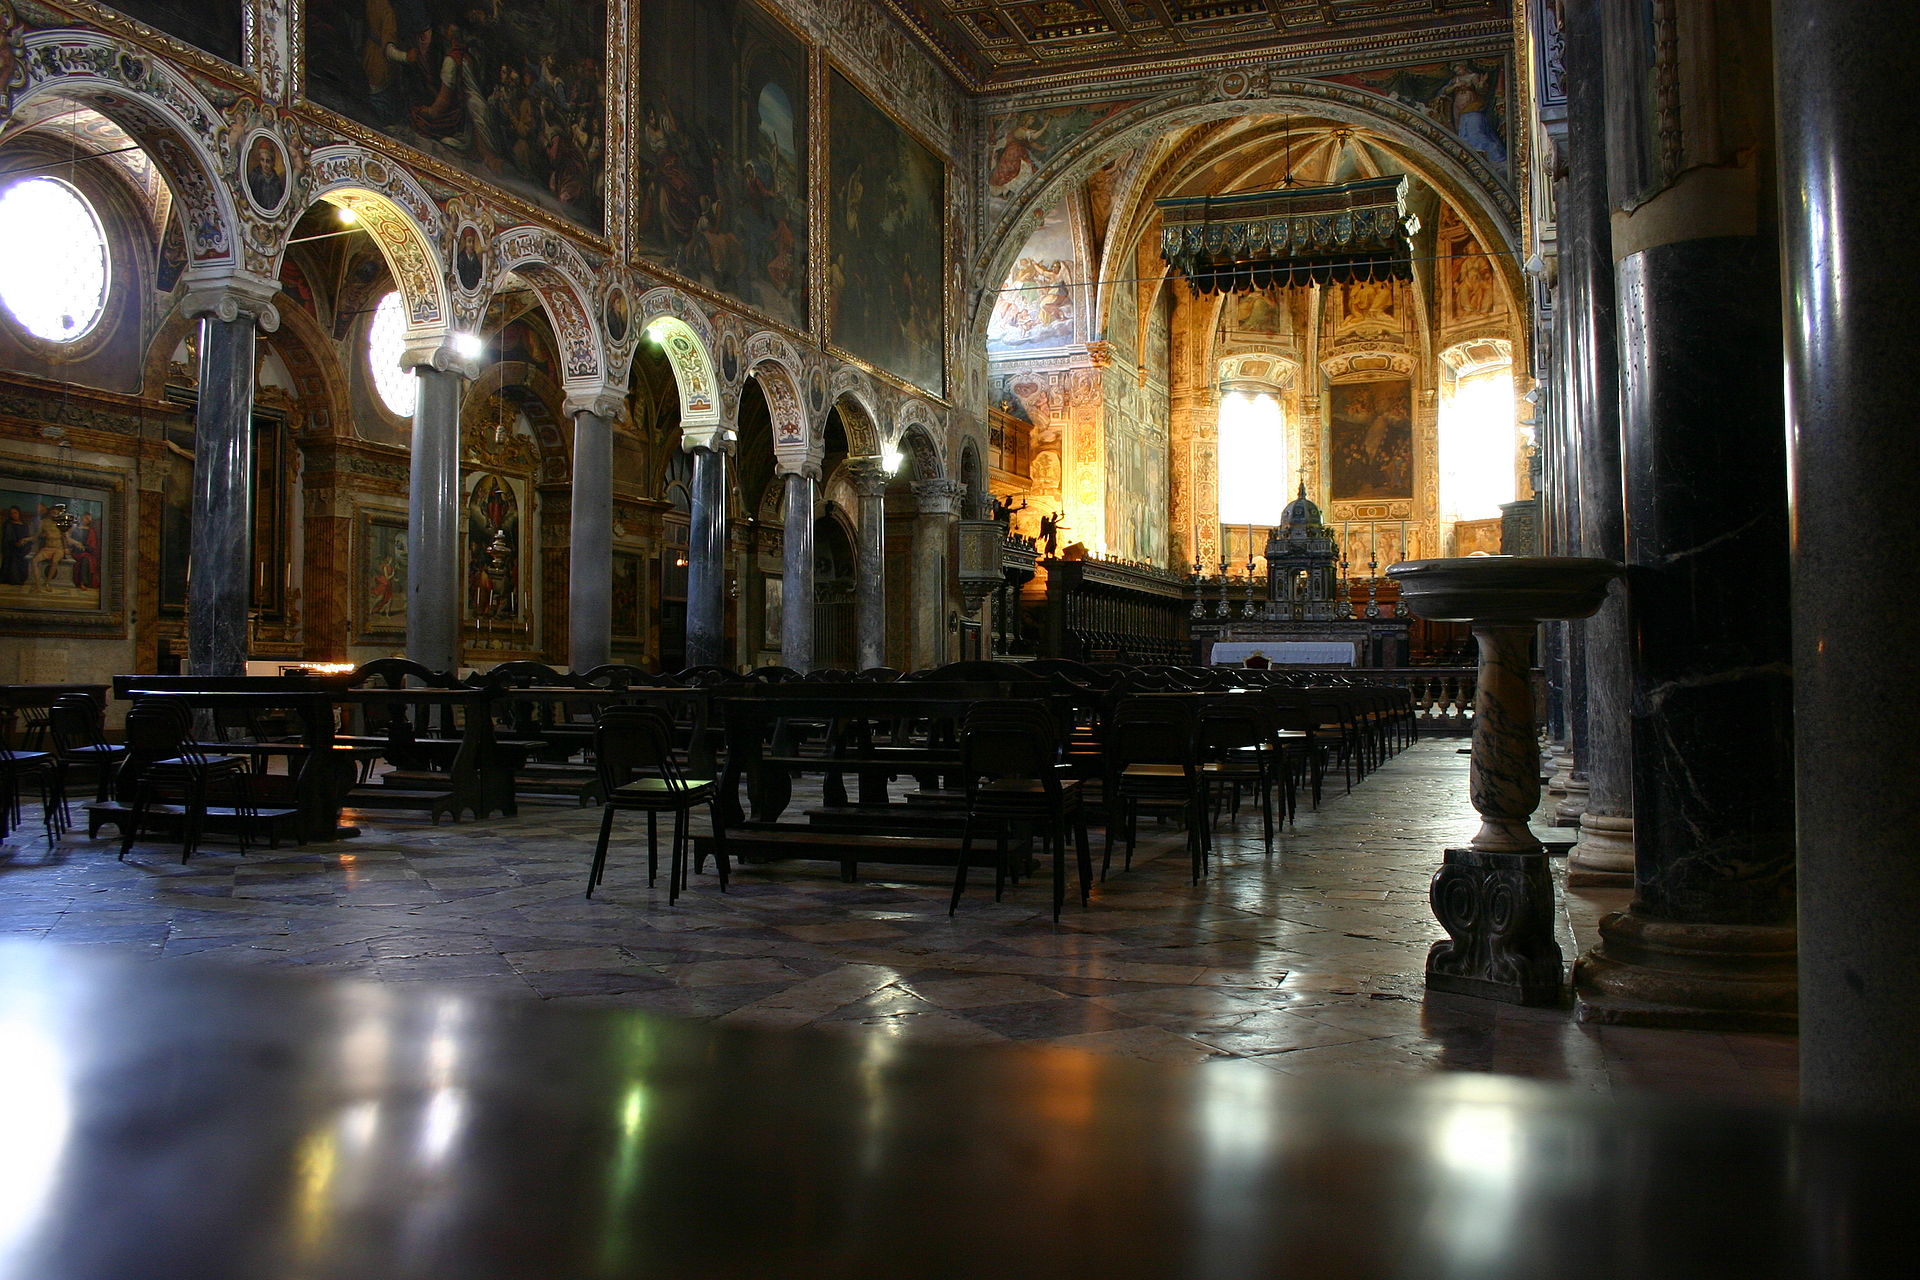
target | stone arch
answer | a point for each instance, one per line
(1436, 156)
(974, 476)
(772, 362)
(684, 333)
(159, 108)
(541, 399)
(918, 442)
(561, 278)
(403, 222)
(851, 392)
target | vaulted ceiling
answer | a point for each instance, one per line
(993, 44)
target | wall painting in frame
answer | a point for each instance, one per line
(720, 141)
(886, 236)
(1372, 438)
(383, 576)
(62, 557)
(629, 595)
(211, 26)
(510, 91)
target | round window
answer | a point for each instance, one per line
(386, 339)
(53, 279)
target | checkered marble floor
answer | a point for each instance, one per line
(1308, 960)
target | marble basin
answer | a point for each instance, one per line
(1505, 589)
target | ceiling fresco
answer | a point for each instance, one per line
(992, 44)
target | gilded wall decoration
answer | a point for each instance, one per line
(1020, 144)
(509, 92)
(887, 241)
(721, 152)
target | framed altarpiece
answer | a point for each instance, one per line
(63, 540)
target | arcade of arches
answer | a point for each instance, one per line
(701, 333)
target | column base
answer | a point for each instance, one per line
(1572, 804)
(1497, 909)
(1560, 757)
(1702, 977)
(1603, 858)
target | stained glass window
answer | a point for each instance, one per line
(53, 277)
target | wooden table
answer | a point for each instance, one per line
(167, 1120)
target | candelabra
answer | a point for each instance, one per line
(1346, 595)
(1199, 590)
(1246, 609)
(1220, 609)
(1373, 587)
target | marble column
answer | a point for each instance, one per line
(796, 565)
(938, 502)
(1709, 940)
(1847, 117)
(220, 574)
(433, 522)
(1590, 352)
(707, 560)
(590, 539)
(870, 565)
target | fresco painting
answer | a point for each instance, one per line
(887, 232)
(509, 91)
(493, 551)
(1468, 96)
(1020, 144)
(1372, 438)
(383, 568)
(721, 142)
(1037, 301)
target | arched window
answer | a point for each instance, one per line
(1253, 458)
(1476, 431)
(53, 276)
(386, 338)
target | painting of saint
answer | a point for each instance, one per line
(619, 315)
(493, 549)
(721, 146)
(266, 174)
(211, 26)
(1372, 438)
(469, 258)
(1472, 282)
(52, 547)
(1261, 311)
(510, 93)
(887, 281)
(628, 592)
(383, 570)
(1369, 310)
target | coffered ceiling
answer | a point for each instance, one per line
(993, 44)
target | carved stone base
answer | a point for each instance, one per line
(1560, 771)
(1603, 859)
(1704, 977)
(1497, 909)
(1572, 804)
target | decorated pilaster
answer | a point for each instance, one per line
(938, 503)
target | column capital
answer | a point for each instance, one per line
(869, 475)
(716, 436)
(807, 465)
(601, 402)
(230, 297)
(437, 353)
(938, 497)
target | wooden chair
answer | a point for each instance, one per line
(163, 760)
(1236, 738)
(1153, 762)
(633, 751)
(16, 767)
(1010, 758)
(74, 724)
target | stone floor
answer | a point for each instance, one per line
(1306, 961)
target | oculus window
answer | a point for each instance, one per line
(53, 279)
(386, 338)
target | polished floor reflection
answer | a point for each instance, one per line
(1304, 963)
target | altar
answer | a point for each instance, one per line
(1309, 617)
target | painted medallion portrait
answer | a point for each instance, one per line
(619, 315)
(265, 173)
(469, 258)
(886, 236)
